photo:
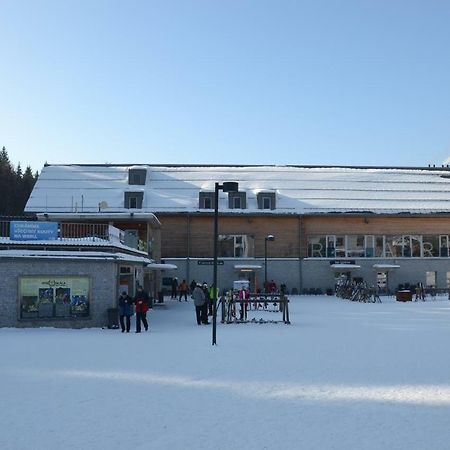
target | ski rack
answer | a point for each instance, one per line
(256, 302)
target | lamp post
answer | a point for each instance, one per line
(270, 237)
(229, 186)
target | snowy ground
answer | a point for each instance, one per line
(342, 376)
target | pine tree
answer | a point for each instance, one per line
(15, 186)
(7, 184)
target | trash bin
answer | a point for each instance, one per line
(113, 318)
(404, 295)
(160, 297)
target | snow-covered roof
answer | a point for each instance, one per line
(73, 255)
(298, 190)
(71, 242)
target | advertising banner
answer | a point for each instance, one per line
(33, 231)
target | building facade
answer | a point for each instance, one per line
(387, 226)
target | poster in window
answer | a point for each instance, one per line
(54, 297)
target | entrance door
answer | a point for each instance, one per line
(382, 285)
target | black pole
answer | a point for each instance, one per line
(216, 238)
(265, 265)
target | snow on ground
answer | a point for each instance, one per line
(342, 376)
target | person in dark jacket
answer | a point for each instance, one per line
(200, 305)
(174, 288)
(125, 311)
(142, 304)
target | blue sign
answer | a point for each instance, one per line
(33, 231)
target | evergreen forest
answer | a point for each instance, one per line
(15, 186)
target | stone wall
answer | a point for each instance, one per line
(103, 295)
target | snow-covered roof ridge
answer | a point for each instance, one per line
(298, 189)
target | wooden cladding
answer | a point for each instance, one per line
(192, 235)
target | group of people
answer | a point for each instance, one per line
(180, 290)
(127, 305)
(203, 301)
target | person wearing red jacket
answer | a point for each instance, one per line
(142, 305)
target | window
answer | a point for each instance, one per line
(430, 279)
(356, 246)
(54, 297)
(206, 200)
(369, 246)
(430, 246)
(340, 247)
(316, 247)
(331, 246)
(266, 200)
(133, 200)
(412, 246)
(137, 176)
(236, 246)
(237, 200)
(443, 246)
(394, 246)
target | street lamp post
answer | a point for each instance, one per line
(270, 237)
(229, 186)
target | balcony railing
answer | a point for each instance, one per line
(70, 232)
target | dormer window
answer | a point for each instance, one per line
(266, 200)
(133, 200)
(237, 200)
(137, 176)
(206, 200)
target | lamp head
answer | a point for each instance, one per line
(270, 237)
(230, 186)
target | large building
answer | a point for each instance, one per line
(388, 226)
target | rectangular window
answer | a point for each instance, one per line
(369, 246)
(430, 246)
(206, 200)
(266, 200)
(331, 246)
(133, 200)
(412, 246)
(379, 247)
(430, 279)
(137, 176)
(443, 246)
(54, 297)
(236, 246)
(317, 247)
(355, 246)
(340, 247)
(394, 246)
(237, 200)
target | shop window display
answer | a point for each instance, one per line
(54, 297)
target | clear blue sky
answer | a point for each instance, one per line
(363, 82)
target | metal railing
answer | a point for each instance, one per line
(86, 231)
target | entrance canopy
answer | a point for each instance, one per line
(161, 266)
(344, 266)
(247, 267)
(386, 266)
